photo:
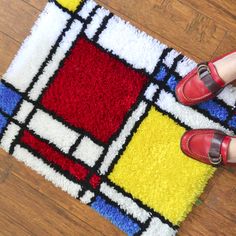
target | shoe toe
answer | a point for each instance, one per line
(184, 142)
(184, 90)
(191, 90)
(196, 144)
(179, 94)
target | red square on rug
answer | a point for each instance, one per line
(95, 90)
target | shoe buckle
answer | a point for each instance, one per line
(202, 67)
(215, 161)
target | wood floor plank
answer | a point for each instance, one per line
(8, 49)
(36, 3)
(204, 221)
(150, 31)
(223, 195)
(228, 44)
(17, 18)
(36, 212)
(216, 205)
(196, 33)
(84, 213)
(10, 227)
(223, 12)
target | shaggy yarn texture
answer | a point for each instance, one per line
(89, 103)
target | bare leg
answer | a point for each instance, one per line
(226, 68)
(232, 151)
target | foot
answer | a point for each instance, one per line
(206, 80)
(209, 146)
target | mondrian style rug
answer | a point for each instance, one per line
(89, 103)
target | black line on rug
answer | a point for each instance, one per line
(116, 205)
(50, 55)
(202, 111)
(115, 136)
(144, 227)
(140, 203)
(58, 118)
(215, 99)
(17, 138)
(128, 139)
(5, 128)
(25, 127)
(87, 21)
(56, 168)
(75, 145)
(102, 27)
(17, 108)
(81, 194)
(141, 71)
(57, 44)
(162, 57)
(172, 71)
(163, 85)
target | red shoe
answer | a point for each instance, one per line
(201, 84)
(207, 145)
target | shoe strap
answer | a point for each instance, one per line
(214, 155)
(205, 76)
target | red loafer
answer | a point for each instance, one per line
(207, 145)
(201, 84)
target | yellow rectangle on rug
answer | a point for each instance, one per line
(153, 158)
(70, 5)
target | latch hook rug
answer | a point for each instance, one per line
(89, 103)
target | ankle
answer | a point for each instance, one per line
(226, 68)
(232, 151)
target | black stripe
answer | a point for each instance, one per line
(163, 85)
(102, 27)
(25, 127)
(56, 167)
(153, 103)
(114, 204)
(56, 45)
(128, 139)
(116, 135)
(172, 68)
(50, 55)
(5, 128)
(17, 138)
(81, 193)
(176, 61)
(144, 227)
(140, 203)
(75, 145)
(162, 57)
(172, 71)
(58, 118)
(127, 64)
(16, 109)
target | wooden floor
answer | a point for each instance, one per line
(29, 205)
